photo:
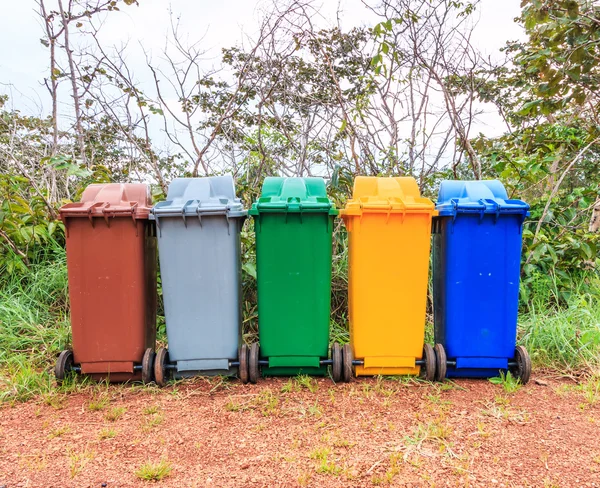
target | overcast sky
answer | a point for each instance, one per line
(24, 60)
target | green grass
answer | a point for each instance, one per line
(34, 328)
(566, 338)
(560, 331)
(154, 471)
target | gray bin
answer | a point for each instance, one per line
(198, 229)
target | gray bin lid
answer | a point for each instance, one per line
(212, 195)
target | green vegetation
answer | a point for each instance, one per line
(549, 156)
(154, 471)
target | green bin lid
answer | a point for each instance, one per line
(301, 195)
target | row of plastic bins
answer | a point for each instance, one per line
(111, 256)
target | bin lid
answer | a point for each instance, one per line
(302, 195)
(374, 194)
(480, 197)
(111, 200)
(200, 196)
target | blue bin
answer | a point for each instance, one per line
(477, 241)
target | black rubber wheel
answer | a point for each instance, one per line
(148, 366)
(440, 362)
(161, 374)
(523, 368)
(336, 367)
(253, 369)
(64, 365)
(347, 369)
(428, 369)
(243, 368)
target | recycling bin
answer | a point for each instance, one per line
(293, 222)
(389, 234)
(477, 240)
(111, 261)
(198, 229)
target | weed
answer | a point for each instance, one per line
(315, 410)
(114, 414)
(151, 410)
(78, 461)
(267, 402)
(152, 421)
(501, 409)
(325, 465)
(107, 433)
(304, 479)
(233, 406)
(98, 403)
(590, 390)
(437, 430)
(55, 400)
(305, 381)
(289, 386)
(150, 471)
(509, 383)
(59, 431)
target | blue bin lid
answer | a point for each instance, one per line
(213, 195)
(479, 197)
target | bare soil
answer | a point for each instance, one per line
(279, 433)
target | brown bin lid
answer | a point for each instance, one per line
(111, 200)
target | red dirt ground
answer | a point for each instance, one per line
(371, 432)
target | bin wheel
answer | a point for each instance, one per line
(347, 372)
(428, 369)
(148, 366)
(253, 370)
(336, 367)
(440, 362)
(161, 373)
(243, 368)
(64, 365)
(523, 368)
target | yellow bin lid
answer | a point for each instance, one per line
(374, 194)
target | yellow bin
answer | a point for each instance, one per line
(389, 228)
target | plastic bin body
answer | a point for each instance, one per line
(389, 233)
(198, 231)
(476, 267)
(294, 224)
(111, 261)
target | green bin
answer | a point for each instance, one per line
(293, 221)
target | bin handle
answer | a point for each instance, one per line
(183, 212)
(496, 206)
(98, 205)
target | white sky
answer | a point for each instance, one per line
(24, 60)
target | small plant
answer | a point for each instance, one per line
(98, 403)
(325, 466)
(107, 433)
(289, 386)
(509, 383)
(78, 461)
(55, 400)
(233, 406)
(305, 381)
(154, 471)
(267, 402)
(315, 410)
(114, 414)
(59, 431)
(304, 479)
(591, 390)
(151, 410)
(152, 421)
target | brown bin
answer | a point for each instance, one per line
(111, 261)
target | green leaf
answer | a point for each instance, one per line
(250, 268)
